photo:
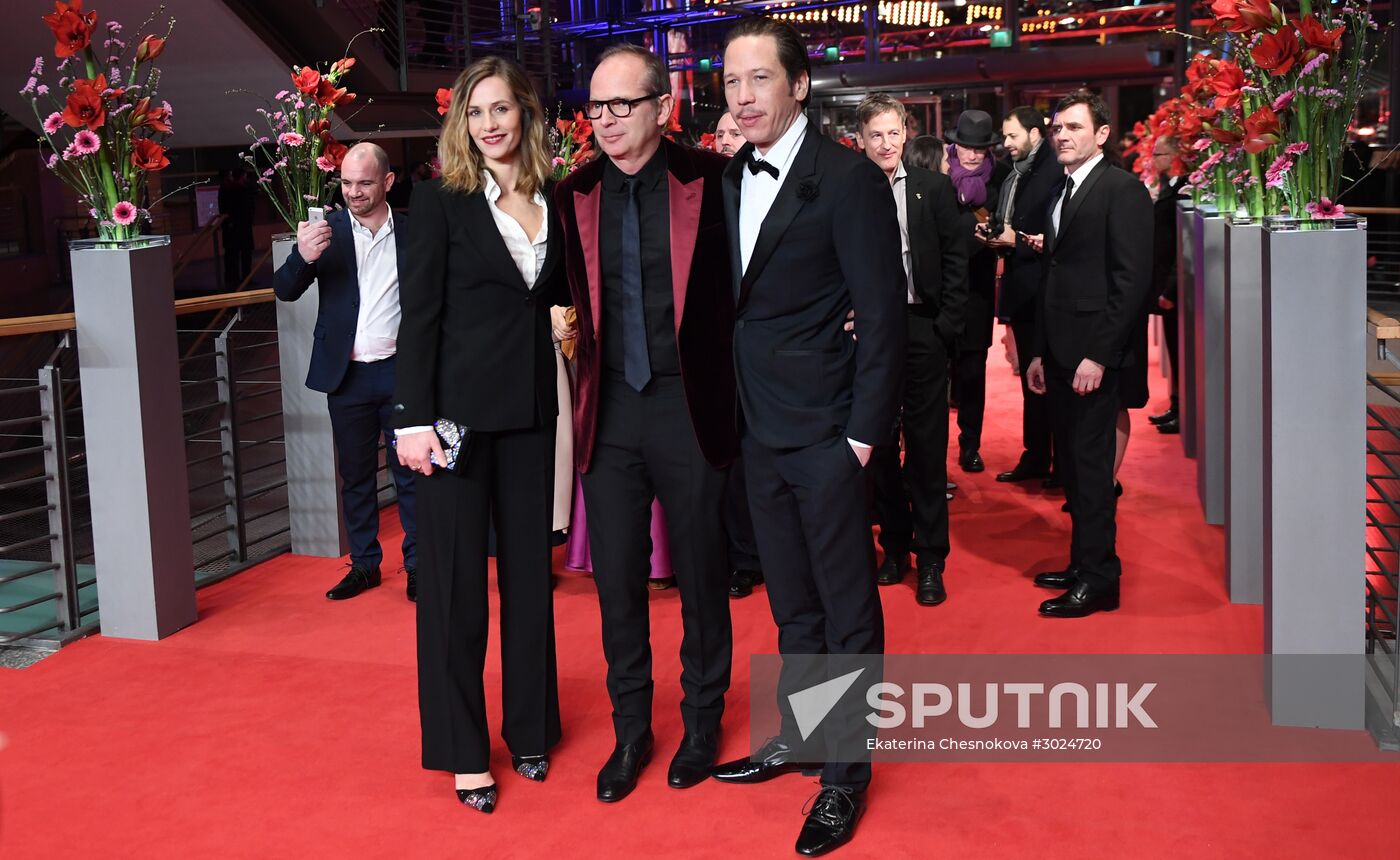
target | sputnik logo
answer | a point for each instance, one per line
(810, 706)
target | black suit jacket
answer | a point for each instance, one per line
(475, 344)
(1098, 272)
(936, 248)
(1164, 239)
(829, 244)
(1035, 194)
(981, 270)
(337, 277)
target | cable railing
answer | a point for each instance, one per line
(1383, 547)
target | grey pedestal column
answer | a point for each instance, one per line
(1208, 324)
(1314, 513)
(1244, 411)
(124, 301)
(313, 482)
(1186, 336)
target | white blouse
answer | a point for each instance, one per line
(528, 255)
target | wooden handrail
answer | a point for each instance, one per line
(37, 324)
(222, 301)
(1382, 325)
(1373, 210)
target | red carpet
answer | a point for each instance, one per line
(285, 725)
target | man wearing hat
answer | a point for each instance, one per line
(977, 179)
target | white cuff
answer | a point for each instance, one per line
(404, 431)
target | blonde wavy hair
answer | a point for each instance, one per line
(462, 163)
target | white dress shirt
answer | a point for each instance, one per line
(759, 190)
(901, 205)
(527, 253)
(1078, 176)
(377, 264)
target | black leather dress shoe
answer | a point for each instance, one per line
(693, 761)
(357, 580)
(1165, 418)
(1170, 428)
(1022, 472)
(832, 821)
(1060, 580)
(893, 568)
(1081, 600)
(971, 461)
(619, 776)
(775, 758)
(741, 582)
(412, 587)
(533, 767)
(930, 591)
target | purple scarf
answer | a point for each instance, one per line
(971, 184)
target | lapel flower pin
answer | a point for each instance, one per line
(807, 191)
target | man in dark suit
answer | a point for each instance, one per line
(654, 417)
(354, 258)
(910, 504)
(1098, 271)
(813, 233)
(1164, 239)
(1024, 208)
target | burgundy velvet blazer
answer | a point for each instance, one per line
(700, 279)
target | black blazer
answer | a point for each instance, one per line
(981, 270)
(1098, 272)
(937, 248)
(1164, 239)
(830, 243)
(337, 277)
(475, 344)
(1035, 195)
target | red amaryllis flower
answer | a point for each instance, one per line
(1261, 130)
(157, 118)
(1318, 38)
(84, 107)
(307, 80)
(148, 155)
(334, 152)
(342, 65)
(1226, 136)
(72, 30)
(444, 100)
(1277, 52)
(328, 95)
(1227, 82)
(1242, 16)
(317, 127)
(707, 141)
(149, 49)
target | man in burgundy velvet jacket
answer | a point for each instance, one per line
(647, 256)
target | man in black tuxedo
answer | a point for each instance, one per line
(354, 256)
(814, 234)
(1164, 238)
(1024, 207)
(912, 508)
(1098, 271)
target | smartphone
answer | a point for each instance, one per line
(314, 214)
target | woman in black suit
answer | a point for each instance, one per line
(483, 271)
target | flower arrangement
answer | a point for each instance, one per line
(104, 126)
(572, 143)
(295, 156)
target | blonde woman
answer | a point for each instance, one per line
(481, 275)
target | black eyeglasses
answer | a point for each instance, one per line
(619, 108)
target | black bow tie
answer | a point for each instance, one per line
(757, 165)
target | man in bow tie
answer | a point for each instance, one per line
(813, 234)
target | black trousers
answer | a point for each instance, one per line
(911, 505)
(361, 412)
(1035, 409)
(970, 383)
(1169, 333)
(809, 513)
(738, 520)
(1085, 427)
(508, 476)
(645, 447)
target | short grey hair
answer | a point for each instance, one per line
(875, 104)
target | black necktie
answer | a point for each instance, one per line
(756, 165)
(1064, 202)
(636, 366)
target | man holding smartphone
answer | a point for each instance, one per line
(353, 255)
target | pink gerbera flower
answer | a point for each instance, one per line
(53, 123)
(290, 138)
(124, 213)
(1325, 209)
(86, 143)
(325, 164)
(1296, 148)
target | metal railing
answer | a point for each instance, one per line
(1383, 551)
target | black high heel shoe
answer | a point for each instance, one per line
(533, 767)
(481, 799)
